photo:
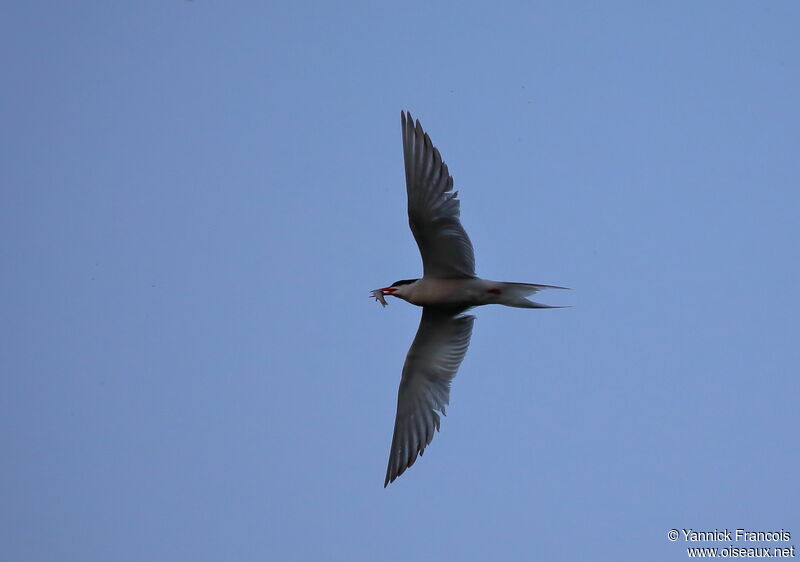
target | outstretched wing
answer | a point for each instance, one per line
(432, 361)
(433, 209)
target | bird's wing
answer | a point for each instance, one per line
(433, 209)
(432, 361)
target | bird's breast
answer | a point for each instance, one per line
(447, 292)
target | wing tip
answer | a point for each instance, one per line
(408, 122)
(391, 476)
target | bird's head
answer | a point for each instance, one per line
(397, 289)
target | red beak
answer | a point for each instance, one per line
(387, 290)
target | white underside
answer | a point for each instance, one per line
(446, 292)
(466, 293)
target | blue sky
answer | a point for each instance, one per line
(198, 196)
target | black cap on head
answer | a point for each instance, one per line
(403, 282)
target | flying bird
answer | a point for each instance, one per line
(447, 289)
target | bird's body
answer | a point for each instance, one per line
(468, 293)
(446, 290)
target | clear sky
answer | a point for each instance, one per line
(198, 196)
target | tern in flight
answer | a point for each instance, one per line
(447, 289)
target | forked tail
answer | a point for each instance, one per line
(513, 294)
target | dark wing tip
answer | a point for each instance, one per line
(398, 466)
(391, 475)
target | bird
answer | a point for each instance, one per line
(447, 289)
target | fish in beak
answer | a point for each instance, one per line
(378, 294)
